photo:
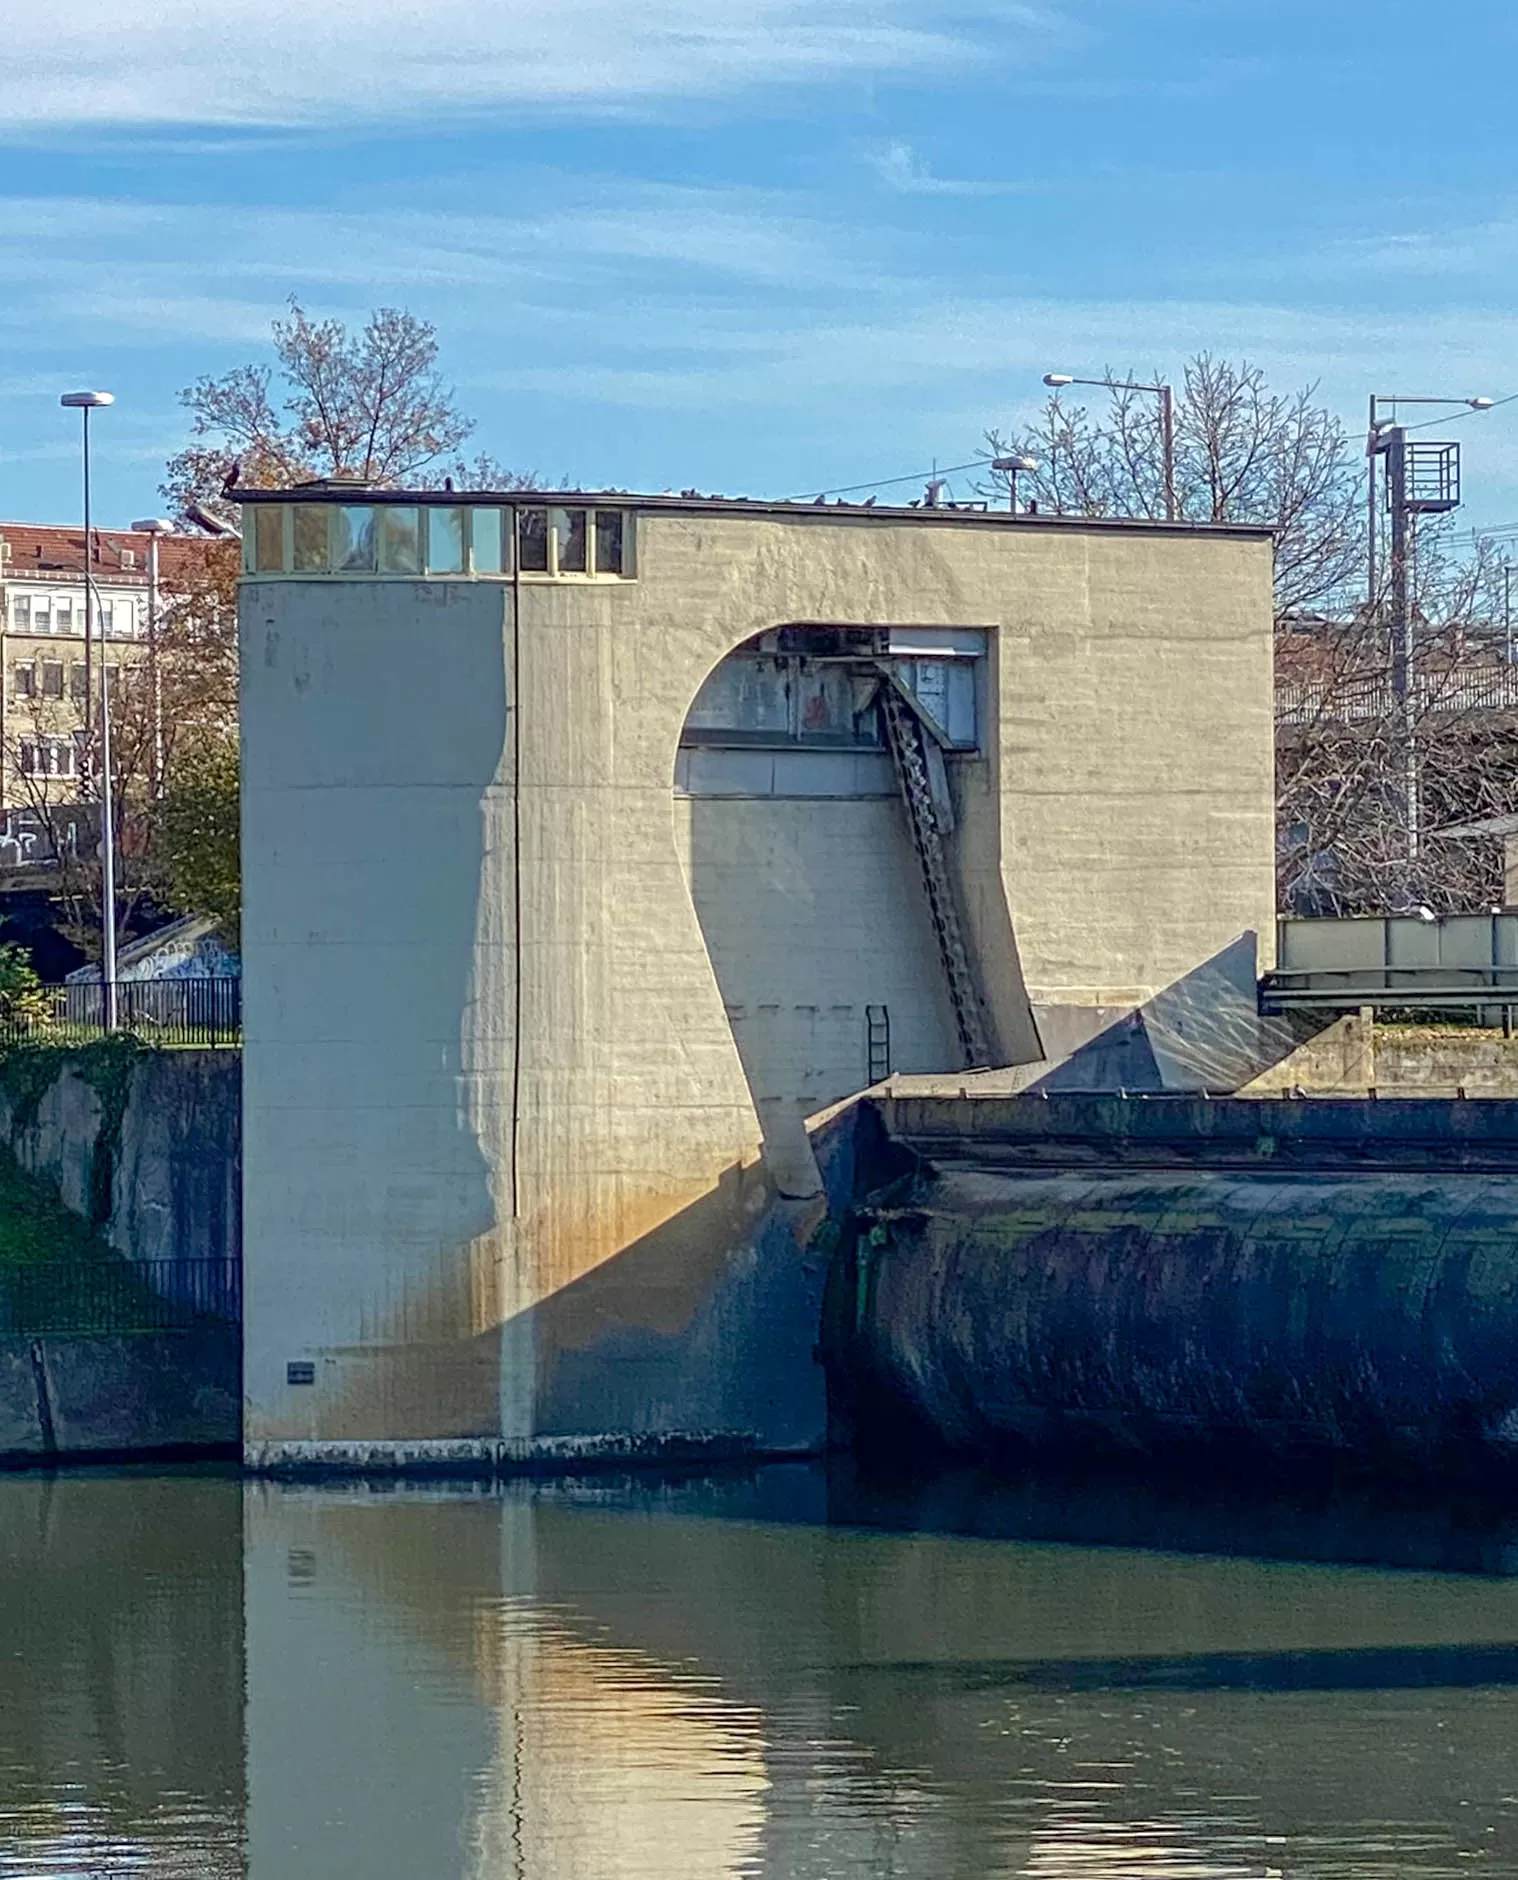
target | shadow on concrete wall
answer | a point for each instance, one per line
(1204, 1032)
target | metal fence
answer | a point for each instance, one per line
(112, 1297)
(158, 1011)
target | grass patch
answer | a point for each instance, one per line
(35, 1226)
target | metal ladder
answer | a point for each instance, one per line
(904, 736)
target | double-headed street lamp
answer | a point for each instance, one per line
(1167, 420)
(86, 402)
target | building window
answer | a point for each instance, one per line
(79, 682)
(21, 612)
(569, 541)
(532, 541)
(63, 614)
(353, 551)
(609, 537)
(311, 555)
(25, 678)
(269, 538)
(400, 540)
(42, 613)
(487, 542)
(47, 757)
(52, 679)
(445, 541)
(406, 539)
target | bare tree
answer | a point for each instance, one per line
(1243, 454)
(370, 405)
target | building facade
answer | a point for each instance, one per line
(49, 687)
(667, 823)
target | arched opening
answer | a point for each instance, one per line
(815, 795)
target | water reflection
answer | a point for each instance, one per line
(615, 1680)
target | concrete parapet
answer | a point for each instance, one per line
(71, 1397)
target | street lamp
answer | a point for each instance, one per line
(86, 402)
(1167, 420)
(152, 527)
(1012, 468)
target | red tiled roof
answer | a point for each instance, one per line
(56, 551)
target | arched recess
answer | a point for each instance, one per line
(839, 957)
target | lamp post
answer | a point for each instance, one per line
(152, 527)
(1012, 468)
(1167, 420)
(85, 403)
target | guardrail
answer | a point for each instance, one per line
(1401, 960)
(116, 1297)
(158, 1011)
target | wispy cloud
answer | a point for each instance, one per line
(303, 62)
(900, 168)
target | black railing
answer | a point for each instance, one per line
(112, 1297)
(158, 1011)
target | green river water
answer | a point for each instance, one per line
(780, 1674)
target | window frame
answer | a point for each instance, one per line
(509, 515)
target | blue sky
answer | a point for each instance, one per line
(755, 246)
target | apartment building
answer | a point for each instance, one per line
(43, 667)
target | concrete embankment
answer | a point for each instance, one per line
(123, 1190)
(1332, 1278)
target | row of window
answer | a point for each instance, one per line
(401, 538)
(45, 680)
(64, 613)
(51, 757)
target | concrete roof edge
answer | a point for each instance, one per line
(742, 505)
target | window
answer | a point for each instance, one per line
(42, 613)
(269, 538)
(79, 686)
(311, 538)
(532, 541)
(63, 614)
(25, 678)
(52, 679)
(353, 544)
(445, 540)
(47, 757)
(488, 540)
(400, 544)
(609, 541)
(129, 558)
(21, 612)
(569, 541)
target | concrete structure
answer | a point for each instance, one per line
(666, 823)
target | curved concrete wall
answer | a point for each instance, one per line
(1357, 1312)
(505, 1187)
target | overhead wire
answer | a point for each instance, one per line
(984, 463)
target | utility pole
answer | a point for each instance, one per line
(1422, 478)
(1403, 677)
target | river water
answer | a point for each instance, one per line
(783, 1674)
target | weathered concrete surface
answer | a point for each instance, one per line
(1373, 1314)
(173, 1174)
(81, 1396)
(505, 1174)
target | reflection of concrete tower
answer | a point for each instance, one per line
(609, 1764)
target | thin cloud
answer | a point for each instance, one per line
(330, 62)
(900, 168)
